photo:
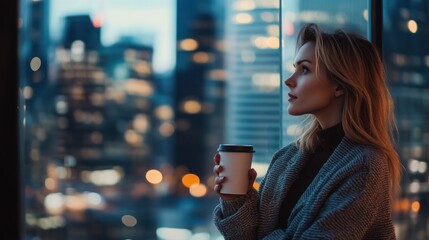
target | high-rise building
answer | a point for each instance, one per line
(81, 27)
(130, 97)
(104, 126)
(407, 62)
(198, 84)
(34, 77)
(36, 144)
(252, 62)
(79, 82)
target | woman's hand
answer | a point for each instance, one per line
(219, 180)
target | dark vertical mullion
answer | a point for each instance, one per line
(375, 23)
(281, 72)
(9, 154)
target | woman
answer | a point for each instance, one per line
(337, 181)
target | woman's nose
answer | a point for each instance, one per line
(290, 82)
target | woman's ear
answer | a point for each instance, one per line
(339, 91)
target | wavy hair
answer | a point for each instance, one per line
(368, 118)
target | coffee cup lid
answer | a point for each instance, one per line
(235, 148)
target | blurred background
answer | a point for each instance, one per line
(125, 103)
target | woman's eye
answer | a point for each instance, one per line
(305, 69)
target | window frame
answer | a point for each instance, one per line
(13, 167)
(11, 176)
(375, 23)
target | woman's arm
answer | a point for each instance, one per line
(238, 218)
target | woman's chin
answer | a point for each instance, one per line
(293, 112)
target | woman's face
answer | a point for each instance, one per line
(311, 92)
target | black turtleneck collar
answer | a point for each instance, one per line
(329, 138)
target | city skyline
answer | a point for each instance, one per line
(150, 22)
(115, 132)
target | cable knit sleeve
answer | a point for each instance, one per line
(238, 218)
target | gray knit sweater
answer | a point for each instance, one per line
(348, 199)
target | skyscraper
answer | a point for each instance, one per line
(80, 119)
(406, 57)
(196, 83)
(81, 27)
(253, 76)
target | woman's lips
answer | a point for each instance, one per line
(291, 97)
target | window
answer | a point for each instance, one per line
(126, 103)
(122, 105)
(405, 54)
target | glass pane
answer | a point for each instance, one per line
(406, 55)
(329, 14)
(126, 103)
(253, 100)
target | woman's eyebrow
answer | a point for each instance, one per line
(301, 61)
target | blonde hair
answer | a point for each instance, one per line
(368, 113)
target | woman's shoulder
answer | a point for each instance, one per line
(354, 155)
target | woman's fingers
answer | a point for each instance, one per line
(217, 169)
(252, 177)
(252, 174)
(219, 180)
(218, 183)
(216, 158)
(217, 188)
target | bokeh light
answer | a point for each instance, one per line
(154, 176)
(190, 179)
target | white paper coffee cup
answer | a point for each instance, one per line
(236, 161)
